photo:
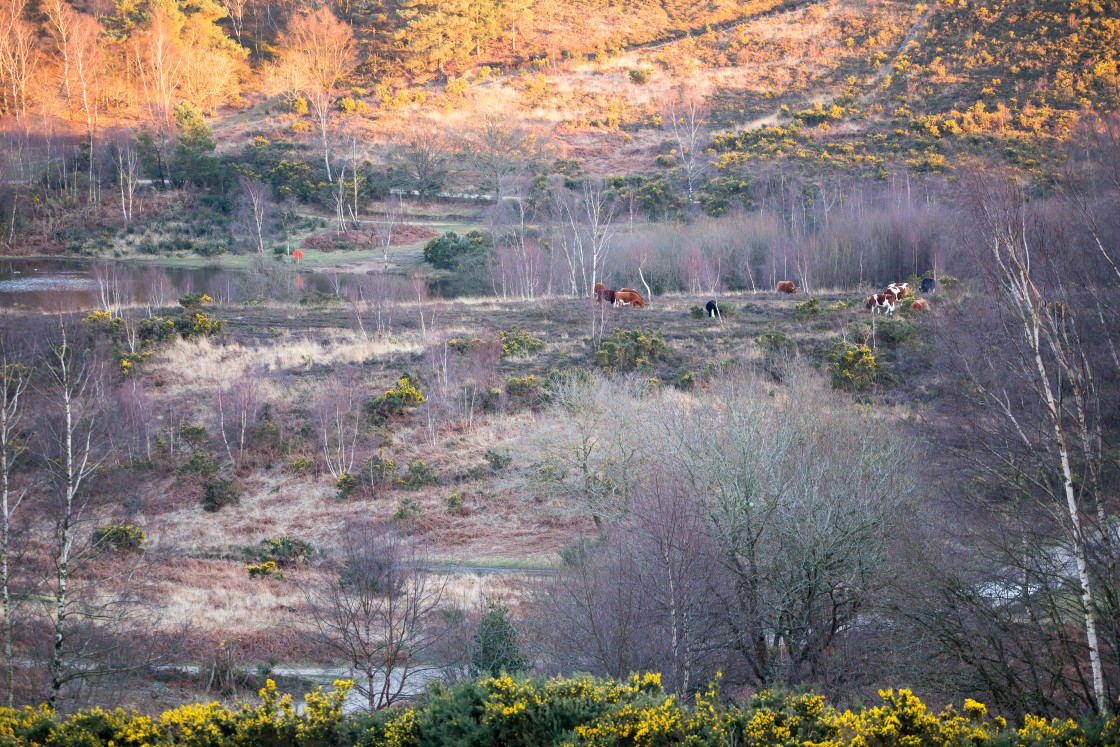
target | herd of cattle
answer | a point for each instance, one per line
(879, 303)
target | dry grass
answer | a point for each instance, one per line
(204, 363)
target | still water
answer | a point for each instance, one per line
(74, 284)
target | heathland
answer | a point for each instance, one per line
(333, 394)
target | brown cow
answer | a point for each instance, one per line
(899, 289)
(787, 286)
(629, 298)
(600, 292)
(920, 305)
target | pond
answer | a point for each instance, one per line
(75, 284)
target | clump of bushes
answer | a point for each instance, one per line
(775, 340)
(445, 252)
(120, 538)
(218, 493)
(811, 306)
(418, 475)
(853, 367)
(345, 486)
(408, 512)
(626, 350)
(517, 342)
(725, 309)
(393, 401)
(284, 551)
(524, 391)
(268, 569)
(582, 710)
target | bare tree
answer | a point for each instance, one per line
(1039, 384)
(317, 53)
(381, 230)
(421, 162)
(237, 411)
(338, 415)
(584, 229)
(71, 444)
(376, 300)
(379, 608)
(15, 378)
(495, 151)
(684, 120)
(126, 162)
(114, 287)
(255, 207)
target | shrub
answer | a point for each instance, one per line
(494, 647)
(697, 312)
(380, 469)
(418, 474)
(121, 538)
(195, 435)
(775, 340)
(407, 512)
(454, 503)
(445, 252)
(626, 350)
(195, 300)
(948, 282)
(219, 493)
(811, 306)
(345, 486)
(301, 465)
(456, 86)
(517, 342)
(284, 551)
(268, 569)
(852, 367)
(497, 460)
(523, 391)
(639, 75)
(393, 401)
(200, 464)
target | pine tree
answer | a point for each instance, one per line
(494, 648)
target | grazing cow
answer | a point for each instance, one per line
(920, 305)
(927, 285)
(713, 310)
(601, 292)
(899, 289)
(629, 298)
(786, 286)
(881, 301)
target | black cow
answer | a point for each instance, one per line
(927, 285)
(713, 310)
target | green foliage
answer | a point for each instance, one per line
(196, 141)
(948, 282)
(267, 569)
(283, 551)
(218, 493)
(531, 712)
(775, 340)
(810, 307)
(200, 464)
(393, 401)
(626, 350)
(346, 485)
(454, 503)
(407, 512)
(120, 537)
(517, 342)
(852, 367)
(445, 252)
(418, 475)
(301, 465)
(498, 460)
(640, 75)
(494, 647)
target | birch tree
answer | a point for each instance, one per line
(15, 378)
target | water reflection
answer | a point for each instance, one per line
(73, 285)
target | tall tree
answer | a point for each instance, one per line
(15, 378)
(420, 163)
(316, 54)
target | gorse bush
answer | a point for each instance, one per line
(518, 342)
(267, 569)
(626, 350)
(393, 401)
(121, 538)
(811, 306)
(583, 710)
(852, 367)
(284, 550)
